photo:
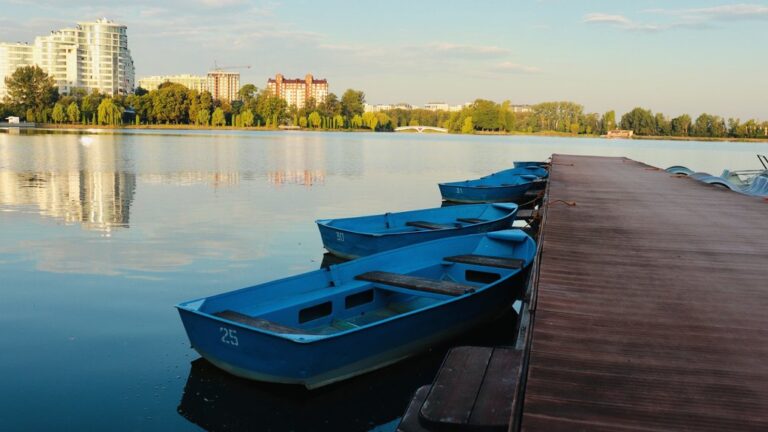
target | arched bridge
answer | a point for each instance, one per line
(421, 129)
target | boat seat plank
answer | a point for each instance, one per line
(526, 214)
(428, 225)
(453, 393)
(472, 220)
(488, 261)
(417, 283)
(258, 322)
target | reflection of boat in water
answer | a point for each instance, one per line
(216, 400)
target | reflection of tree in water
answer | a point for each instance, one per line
(216, 400)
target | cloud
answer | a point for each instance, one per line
(467, 51)
(621, 21)
(606, 18)
(691, 18)
(510, 67)
(724, 12)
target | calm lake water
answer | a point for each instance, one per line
(101, 234)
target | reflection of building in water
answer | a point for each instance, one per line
(298, 161)
(98, 200)
(215, 179)
(77, 184)
(305, 177)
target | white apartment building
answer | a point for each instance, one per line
(92, 55)
(192, 82)
(297, 91)
(12, 57)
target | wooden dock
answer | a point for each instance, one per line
(649, 307)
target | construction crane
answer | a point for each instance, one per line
(216, 67)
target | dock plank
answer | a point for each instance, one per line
(650, 305)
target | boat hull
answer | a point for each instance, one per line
(470, 194)
(265, 357)
(351, 245)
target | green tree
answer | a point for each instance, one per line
(352, 103)
(90, 104)
(247, 93)
(59, 114)
(170, 103)
(680, 126)
(29, 87)
(314, 119)
(203, 117)
(302, 121)
(271, 108)
(608, 122)
(639, 120)
(73, 112)
(246, 118)
(356, 122)
(338, 121)
(109, 113)
(468, 127)
(485, 115)
(218, 119)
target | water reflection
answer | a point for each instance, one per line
(216, 400)
(86, 185)
(299, 177)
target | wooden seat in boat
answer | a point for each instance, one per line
(488, 261)
(257, 322)
(417, 283)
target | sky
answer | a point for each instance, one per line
(684, 56)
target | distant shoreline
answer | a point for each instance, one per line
(491, 133)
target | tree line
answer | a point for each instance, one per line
(33, 96)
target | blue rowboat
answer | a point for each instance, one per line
(503, 186)
(331, 324)
(360, 236)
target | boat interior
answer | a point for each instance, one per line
(368, 297)
(428, 219)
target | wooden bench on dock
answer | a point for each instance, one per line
(417, 283)
(473, 391)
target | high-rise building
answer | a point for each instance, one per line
(297, 91)
(12, 57)
(192, 82)
(92, 55)
(223, 85)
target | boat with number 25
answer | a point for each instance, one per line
(327, 325)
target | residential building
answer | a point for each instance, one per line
(92, 55)
(224, 85)
(521, 108)
(297, 91)
(436, 106)
(192, 82)
(12, 57)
